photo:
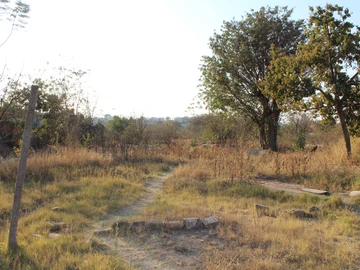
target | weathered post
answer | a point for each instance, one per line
(22, 167)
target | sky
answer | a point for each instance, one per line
(143, 56)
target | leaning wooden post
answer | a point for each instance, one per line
(22, 167)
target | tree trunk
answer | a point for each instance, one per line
(272, 123)
(22, 167)
(345, 129)
(263, 138)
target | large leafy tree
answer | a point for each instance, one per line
(325, 69)
(233, 76)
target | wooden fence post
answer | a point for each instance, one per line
(20, 177)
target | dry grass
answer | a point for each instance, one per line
(209, 181)
(85, 185)
(221, 183)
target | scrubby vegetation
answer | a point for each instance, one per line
(85, 185)
(327, 240)
(209, 180)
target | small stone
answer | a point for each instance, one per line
(121, 225)
(137, 226)
(314, 209)
(261, 207)
(57, 226)
(298, 213)
(212, 233)
(102, 232)
(181, 249)
(175, 225)
(53, 235)
(354, 193)
(193, 224)
(156, 225)
(210, 222)
(56, 208)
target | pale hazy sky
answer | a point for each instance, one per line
(143, 55)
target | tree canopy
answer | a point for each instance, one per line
(325, 69)
(233, 76)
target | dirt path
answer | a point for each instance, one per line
(170, 250)
(173, 249)
(152, 188)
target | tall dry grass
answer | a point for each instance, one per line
(222, 182)
(85, 185)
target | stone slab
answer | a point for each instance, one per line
(210, 222)
(315, 191)
(121, 225)
(354, 193)
(175, 225)
(193, 224)
(103, 232)
(137, 226)
(156, 225)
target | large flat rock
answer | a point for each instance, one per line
(315, 191)
(354, 193)
(193, 223)
(210, 222)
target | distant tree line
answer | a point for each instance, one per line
(263, 68)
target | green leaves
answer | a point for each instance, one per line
(234, 78)
(320, 70)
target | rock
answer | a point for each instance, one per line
(315, 191)
(256, 152)
(103, 232)
(121, 225)
(212, 233)
(314, 209)
(181, 249)
(53, 235)
(262, 209)
(156, 225)
(210, 222)
(56, 208)
(193, 224)
(298, 213)
(137, 226)
(175, 225)
(354, 193)
(57, 226)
